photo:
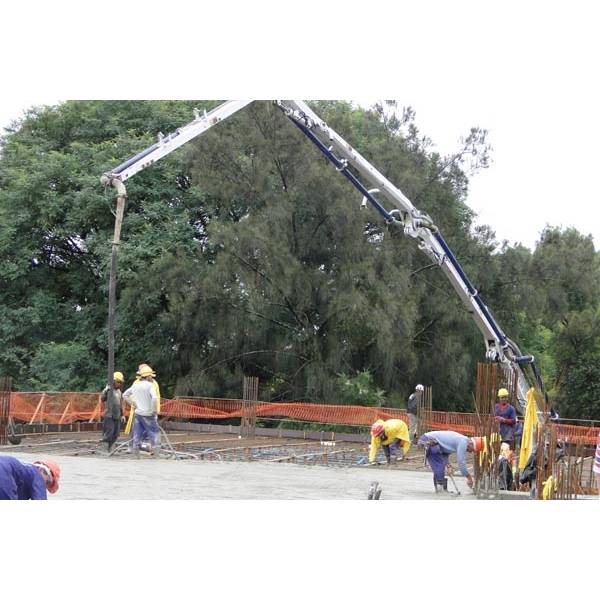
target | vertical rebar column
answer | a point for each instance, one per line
(250, 398)
(486, 462)
(5, 385)
(424, 407)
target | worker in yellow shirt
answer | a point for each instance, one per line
(390, 435)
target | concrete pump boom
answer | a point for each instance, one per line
(404, 215)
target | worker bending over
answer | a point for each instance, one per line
(439, 445)
(20, 481)
(390, 435)
(142, 396)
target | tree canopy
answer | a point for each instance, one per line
(245, 253)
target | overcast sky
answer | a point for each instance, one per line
(527, 72)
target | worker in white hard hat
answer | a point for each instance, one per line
(506, 415)
(391, 435)
(143, 398)
(113, 411)
(412, 410)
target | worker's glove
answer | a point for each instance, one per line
(123, 419)
(499, 419)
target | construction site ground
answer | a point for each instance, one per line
(217, 466)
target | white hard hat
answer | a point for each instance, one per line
(419, 388)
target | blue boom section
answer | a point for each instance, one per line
(474, 293)
(342, 167)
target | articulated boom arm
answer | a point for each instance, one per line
(415, 224)
(412, 221)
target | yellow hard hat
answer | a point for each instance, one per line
(145, 371)
(503, 393)
(118, 376)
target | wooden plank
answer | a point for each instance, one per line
(35, 412)
(64, 412)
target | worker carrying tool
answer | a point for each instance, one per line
(144, 400)
(439, 445)
(21, 481)
(390, 435)
(506, 415)
(113, 413)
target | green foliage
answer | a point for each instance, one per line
(359, 390)
(245, 253)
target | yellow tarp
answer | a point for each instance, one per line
(531, 421)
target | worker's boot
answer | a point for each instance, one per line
(136, 451)
(156, 451)
(441, 485)
(106, 447)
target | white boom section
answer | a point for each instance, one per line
(419, 225)
(166, 144)
(414, 222)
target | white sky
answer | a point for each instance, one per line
(527, 72)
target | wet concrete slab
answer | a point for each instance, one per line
(104, 478)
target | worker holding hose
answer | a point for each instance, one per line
(439, 445)
(392, 435)
(21, 481)
(144, 400)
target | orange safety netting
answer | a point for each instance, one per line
(68, 407)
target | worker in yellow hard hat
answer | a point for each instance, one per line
(144, 400)
(113, 411)
(506, 415)
(391, 435)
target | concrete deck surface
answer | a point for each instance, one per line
(103, 478)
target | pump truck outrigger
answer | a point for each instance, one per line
(405, 216)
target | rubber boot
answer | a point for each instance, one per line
(441, 485)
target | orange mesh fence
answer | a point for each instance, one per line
(55, 407)
(68, 407)
(215, 408)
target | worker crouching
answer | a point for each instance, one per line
(142, 396)
(21, 481)
(392, 435)
(439, 445)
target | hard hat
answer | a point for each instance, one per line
(477, 444)
(377, 428)
(118, 376)
(54, 469)
(419, 388)
(503, 393)
(145, 371)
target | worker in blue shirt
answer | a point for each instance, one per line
(20, 481)
(439, 445)
(506, 415)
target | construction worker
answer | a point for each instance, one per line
(411, 409)
(113, 412)
(20, 481)
(506, 415)
(506, 461)
(144, 400)
(439, 445)
(391, 435)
